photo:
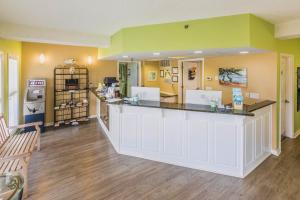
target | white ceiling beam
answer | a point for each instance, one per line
(288, 30)
(51, 36)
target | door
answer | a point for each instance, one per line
(285, 98)
(13, 91)
(132, 76)
(1, 83)
(191, 77)
(287, 95)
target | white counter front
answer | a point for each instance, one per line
(222, 143)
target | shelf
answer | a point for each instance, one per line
(78, 74)
(71, 107)
(67, 90)
(65, 96)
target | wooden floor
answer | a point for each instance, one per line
(80, 163)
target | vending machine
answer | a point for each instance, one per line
(34, 103)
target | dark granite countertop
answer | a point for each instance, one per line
(248, 109)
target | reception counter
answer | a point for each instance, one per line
(227, 142)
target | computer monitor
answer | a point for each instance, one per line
(203, 97)
(146, 93)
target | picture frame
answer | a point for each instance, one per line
(233, 76)
(175, 79)
(152, 76)
(174, 70)
(168, 74)
(162, 73)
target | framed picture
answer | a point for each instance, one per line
(236, 77)
(175, 79)
(174, 70)
(167, 74)
(162, 73)
(152, 76)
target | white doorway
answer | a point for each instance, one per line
(192, 77)
(286, 96)
(13, 91)
(129, 75)
(1, 83)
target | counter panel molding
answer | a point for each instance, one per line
(227, 144)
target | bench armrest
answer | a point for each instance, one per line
(35, 124)
(14, 157)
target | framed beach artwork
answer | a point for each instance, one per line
(236, 77)
(152, 76)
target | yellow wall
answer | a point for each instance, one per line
(14, 49)
(261, 70)
(161, 83)
(262, 77)
(147, 67)
(55, 55)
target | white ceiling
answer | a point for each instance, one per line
(108, 16)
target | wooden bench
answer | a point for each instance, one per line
(16, 149)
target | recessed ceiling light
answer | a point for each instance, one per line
(125, 56)
(156, 53)
(244, 52)
(198, 52)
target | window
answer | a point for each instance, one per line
(13, 91)
(1, 83)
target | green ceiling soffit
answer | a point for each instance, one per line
(245, 30)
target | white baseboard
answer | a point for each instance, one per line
(297, 134)
(276, 152)
(93, 116)
(49, 124)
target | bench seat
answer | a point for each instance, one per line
(19, 144)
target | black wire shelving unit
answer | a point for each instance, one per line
(71, 104)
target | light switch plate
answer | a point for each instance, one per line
(254, 95)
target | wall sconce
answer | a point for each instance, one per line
(42, 58)
(90, 60)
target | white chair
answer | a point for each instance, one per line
(146, 93)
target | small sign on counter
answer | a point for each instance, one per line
(237, 98)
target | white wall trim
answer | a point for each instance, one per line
(297, 133)
(52, 36)
(92, 116)
(276, 152)
(49, 124)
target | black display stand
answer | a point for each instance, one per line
(71, 95)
